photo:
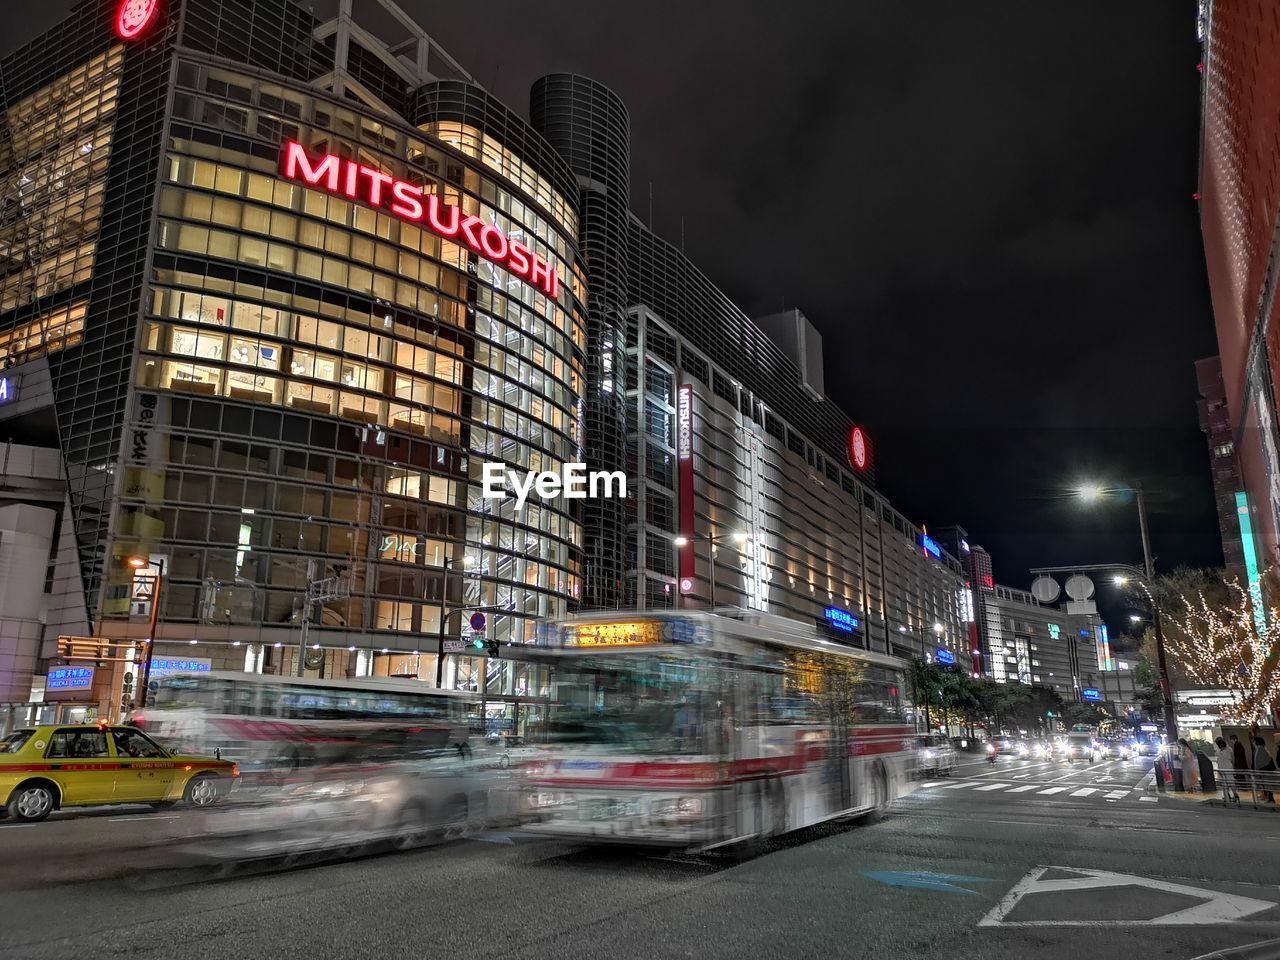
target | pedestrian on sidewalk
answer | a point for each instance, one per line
(1226, 770)
(1190, 767)
(1263, 762)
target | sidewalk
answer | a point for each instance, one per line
(1215, 799)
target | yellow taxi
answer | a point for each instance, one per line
(47, 767)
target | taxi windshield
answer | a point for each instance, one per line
(16, 741)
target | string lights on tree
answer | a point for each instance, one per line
(1224, 645)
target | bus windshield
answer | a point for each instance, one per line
(648, 704)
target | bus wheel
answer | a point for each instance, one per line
(880, 796)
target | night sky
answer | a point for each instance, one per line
(986, 209)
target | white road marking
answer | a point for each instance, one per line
(1084, 792)
(143, 816)
(992, 786)
(1052, 790)
(932, 783)
(1025, 788)
(1217, 907)
(1148, 799)
(958, 785)
(1117, 794)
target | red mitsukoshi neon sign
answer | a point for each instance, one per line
(355, 181)
(134, 16)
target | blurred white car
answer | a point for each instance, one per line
(936, 755)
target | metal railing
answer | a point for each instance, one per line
(1259, 787)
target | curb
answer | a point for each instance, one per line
(1262, 950)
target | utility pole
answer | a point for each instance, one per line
(317, 591)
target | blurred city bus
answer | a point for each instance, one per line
(698, 731)
(272, 725)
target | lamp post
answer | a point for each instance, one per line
(713, 540)
(444, 614)
(1092, 492)
(137, 563)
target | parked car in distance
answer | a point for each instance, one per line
(936, 756)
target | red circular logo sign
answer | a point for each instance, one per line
(858, 448)
(135, 16)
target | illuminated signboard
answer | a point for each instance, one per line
(70, 678)
(930, 545)
(163, 666)
(1055, 631)
(842, 620)
(628, 634)
(944, 656)
(134, 16)
(408, 201)
(684, 422)
(858, 448)
(8, 389)
(1089, 693)
(684, 465)
(1251, 562)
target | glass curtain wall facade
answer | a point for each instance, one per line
(294, 376)
(817, 537)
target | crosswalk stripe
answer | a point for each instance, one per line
(1050, 790)
(931, 783)
(1085, 791)
(1117, 794)
(1148, 799)
(959, 785)
(1024, 789)
(993, 786)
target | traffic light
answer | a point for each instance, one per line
(1048, 713)
(477, 641)
(493, 649)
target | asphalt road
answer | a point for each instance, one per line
(952, 873)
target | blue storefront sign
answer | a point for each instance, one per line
(69, 678)
(944, 656)
(842, 620)
(8, 389)
(162, 666)
(930, 546)
(1089, 693)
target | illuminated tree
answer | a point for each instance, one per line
(1218, 637)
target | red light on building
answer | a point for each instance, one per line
(408, 201)
(858, 448)
(134, 17)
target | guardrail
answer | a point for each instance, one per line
(1261, 787)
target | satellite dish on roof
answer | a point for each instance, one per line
(1045, 589)
(1079, 587)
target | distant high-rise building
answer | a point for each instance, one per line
(1215, 421)
(1239, 198)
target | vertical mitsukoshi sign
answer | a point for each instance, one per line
(684, 462)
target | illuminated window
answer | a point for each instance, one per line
(47, 334)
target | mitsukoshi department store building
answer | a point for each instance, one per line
(273, 289)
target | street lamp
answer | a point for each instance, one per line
(1091, 492)
(137, 563)
(737, 536)
(468, 562)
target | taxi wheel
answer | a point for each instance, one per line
(32, 802)
(202, 791)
